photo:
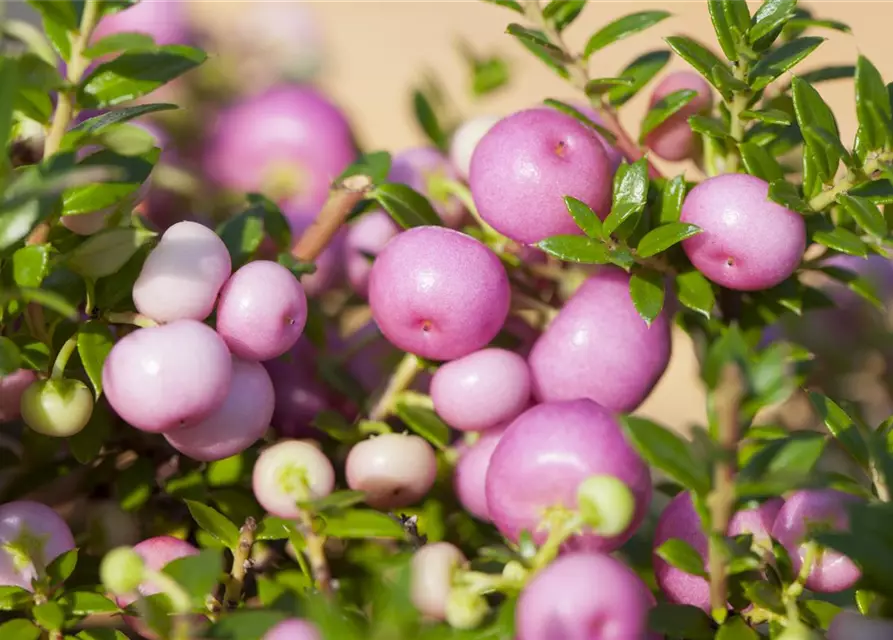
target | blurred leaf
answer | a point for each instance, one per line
(666, 451)
(865, 213)
(680, 620)
(130, 173)
(105, 253)
(243, 234)
(563, 12)
(662, 238)
(197, 574)
(769, 116)
(760, 162)
(575, 249)
(581, 118)
(20, 629)
(672, 197)
(117, 42)
(99, 123)
(427, 120)
(359, 524)
(771, 16)
(599, 86)
(88, 442)
(825, 74)
(664, 109)
(585, 217)
(488, 75)
(273, 528)
(842, 240)
(538, 44)
(85, 603)
(508, 4)
(406, 206)
(9, 82)
(736, 628)
(61, 568)
(640, 71)
(878, 191)
(781, 59)
(424, 422)
(623, 28)
(10, 357)
(47, 299)
(335, 501)
(247, 624)
(697, 55)
(873, 105)
(683, 556)
(781, 465)
(695, 292)
(95, 342)
(646, 288)
(12, 598)
(844, 429)
(214, 523)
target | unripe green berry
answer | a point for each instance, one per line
(57, 408)
(122, 570)
(465, 609)
(606, 504)
(514, 571)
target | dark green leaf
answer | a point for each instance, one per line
(424, 422)
(538, 44)
(85, 603)
(623, 28)
(781, 59)
(105, 253)
(563, 12)
(663, 237)
(599, 86)
(508, 4)
(769, 116)
(9, 81)
(646, 288)
(214, 523)
(666, 451)
(826, 74)
(64, 14)
(695, 292)
(118, 42)
(10, 357)
(95, 342)
(60, 569)
(844, 429)
(865, 213)
(785, 193)
(376, 165)
(275, 222)
(406, 206)
(878, 191)
(336, 501)
(630, 196)
(12, 598)
(575, 249)
(130, 173)
(873, 105)
(197, 574)
(86, 444)
(842, 240)
(708, 127)
(102, 122)
(132, 75)
(427, 120)
(720, 18)
(760, 162)
(640, 71)
(243, 234)
(781, 465)
(736, 628)
(358, 524)
(20, 629)
(828, 144)
(697, 55)
(580, 117)
(672, 197)
(727, 83)
(682, 555)
(585, 217)
(248, 624)
(30, 265)
(273, 528)
(47, 299)
(805, 23)
(664, 109)
(771, 16)
(680, 620)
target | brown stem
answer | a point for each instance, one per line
(342, 199)
(721, 501)
(402, 377)
(241, 564)
(315, 549)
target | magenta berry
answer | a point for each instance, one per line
(420, 168)
(32, 535)
(182, 276)
(543, 457)
(166, 22)
(470, 473)
(366, 237)
(262, 311)
(392, 469)
(433, 567)
(12, 387)
(748, 242)
(816, 510)
(168, 377)
(582, 596)
(527, 163)
(615, 155)
(481, 389)
(679, 520)
(438, 293)
(299, 396)
(293, 629)
(673, 139)
(465, 140)
(241, 420)
(289, 472)
(599, 347)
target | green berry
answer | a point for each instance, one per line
(606, 505)
(57, 408)
(465, 609)
(122, 570)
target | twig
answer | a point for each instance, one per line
(401, 378)
(410, 525)
(241, 563)
(342, 199)
(315, 548)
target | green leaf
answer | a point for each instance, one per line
(842, 240)
(406, 206)
(20, 629)
(427, 120)
(105, 253)
(215, 523)
(12, 598)
(49, 615)
(785, 193)
(95, 342)
(375, 165)
(132, 75)
(100, 123)
(508, 4)
(85, 603)
(488, 75)
(575, 249)
(623, 28)
(771, 16)
(663, 237)
(359, 524)
(805, 23)
(826, 74)
(646, 288)
(640, 71)
(781, 59)
(30, 265)
(336, 501)
(663, 449)
(672, 197)
(247, 624)
(769, 116)
(581, 118)
(781, 465)
(273, 528)
(683, 556)
(64, 14)
(759, 162)
(118, 42)
(680, 620)
(424, 422)
(695, 292)
(9, 81)
(197, 574)
(86, 444)
(275, 222)
(736, 628)
(720, 19)
(563, 12)
(878, 191)
(844, 429)
(130, 173)
(697, 55)
(47, 299)
(865, 213)
(243, 234)
(539, 45)
(599, 86)
(10, 357)
(585, 217)
(727, 83)
(873, 105)
(664, 109)
(630, 196)
(60, 569)
(708, 127)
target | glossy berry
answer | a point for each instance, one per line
(166, 22)
(289, 472)
(584, 596)
(679, 520)
(182, 276)
(392, 469)
(527, 163)
(615, 155)
(293, 629)
(12, 387)
(849, 625)
(32, 535)
(543, 457)
(366, 237)
(262, 311)
(470, 473)
(438, 293)
(674, 139)
(168, 377)
(599, 347)
(57, 408)
(239, 422)
(481, 389)
(433, 567)
(420, 168)
(466, 138)
(816, 510)
(748, 242)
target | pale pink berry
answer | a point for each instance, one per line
(466, 138)
(674, 139)
(293, 629)
(366, 237)
(32, 535)
(289, 472)
(433, 567)
(850, 625)
(470, 473)
(11, 389)
(392, 469)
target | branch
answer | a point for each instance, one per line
(402, 377)
(342, 199)
(315, 548)
(241, 563)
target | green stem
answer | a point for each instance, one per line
(561, 528)
(853, 178)
(485, 583)
(795, 589)
(736, 126)
(241, 562)
(315, 548)
(63, 357)
(178, 596)
(402, 377)
(522, 301)
(128, 317)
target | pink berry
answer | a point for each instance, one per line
(289, 472)
(615, 155)
(241, 420)
(599, 347)
(262, 311)
(481, 389)
(543, 457)
(432, 571)
(86, 224)
(299, 396)
(679, 520)
(584, 596)
(470, 473)
(438, 293)
(32, 535)
(876, 269)
(850, 625)
(11, 389)
(165, 21)
(673, 139)
(366, 237)
(169, 377)
(293, 629)
(182, 276)
(392, 469)
(822, 509)
(465, 140)
(748, 242)
(527, 163)
(418, 168)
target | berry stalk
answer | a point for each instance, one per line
(343, 198)
(241, 563)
